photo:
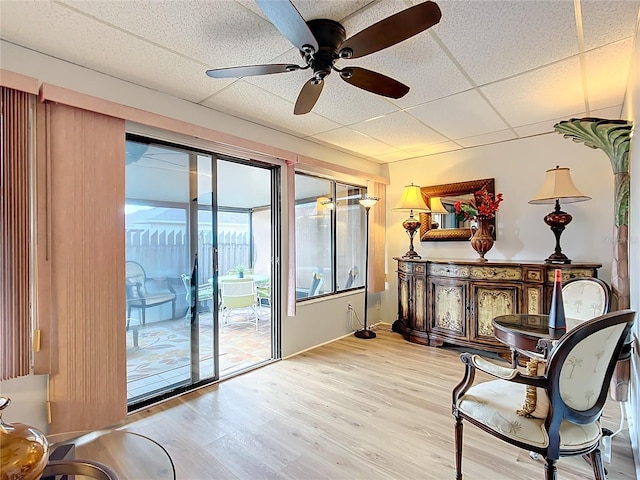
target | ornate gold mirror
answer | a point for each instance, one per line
(441, 223)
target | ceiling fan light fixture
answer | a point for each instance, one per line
(322, 42)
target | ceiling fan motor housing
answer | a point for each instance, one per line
(330, 35)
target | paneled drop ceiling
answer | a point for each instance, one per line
(490, 71)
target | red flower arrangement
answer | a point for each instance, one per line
(483, 204)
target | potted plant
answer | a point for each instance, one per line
(240, 270)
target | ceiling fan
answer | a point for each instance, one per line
(322, 42)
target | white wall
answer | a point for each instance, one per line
(518, 168)
(28, 396)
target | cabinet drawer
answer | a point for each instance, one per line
(534, 274)
(569, 273)
(452, 271)
(496, 273)
(405, 267)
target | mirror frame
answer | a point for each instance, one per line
(447, 190)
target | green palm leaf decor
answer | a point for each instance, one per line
(613, 137)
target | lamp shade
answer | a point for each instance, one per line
(368, 202)
(321, 207)
(436, 205)
(412, 199)
(328, 204)
(558, 185)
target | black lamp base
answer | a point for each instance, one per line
(366, 334)
(558, 258)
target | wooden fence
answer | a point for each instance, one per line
(165, 253)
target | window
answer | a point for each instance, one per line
(329, 237)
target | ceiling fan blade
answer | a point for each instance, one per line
(286, 18)
(251, 70)
(374, 82)
(392, 30)
(308, 96)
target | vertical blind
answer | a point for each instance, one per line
(15, 319)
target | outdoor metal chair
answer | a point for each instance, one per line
(316, 283)
(351, 277)
(138, 294)
(205, 293)
(239, 294)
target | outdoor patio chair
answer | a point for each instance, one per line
(205, 293)
(239, 294)
(316, 283)
(264, 294)
(138, 294)
(351, 277)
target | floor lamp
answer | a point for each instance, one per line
(367, 202)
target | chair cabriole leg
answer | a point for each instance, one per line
(597, 465)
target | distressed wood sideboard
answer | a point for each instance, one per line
(453, 301)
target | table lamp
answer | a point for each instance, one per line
(558, 186)
(435, 204)
(412, 201)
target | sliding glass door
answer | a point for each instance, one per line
(189, 230)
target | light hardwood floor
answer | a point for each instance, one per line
(352, 409)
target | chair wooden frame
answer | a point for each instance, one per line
(550, 381)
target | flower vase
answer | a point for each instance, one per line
(482, 238)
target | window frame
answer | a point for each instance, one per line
(334, 290)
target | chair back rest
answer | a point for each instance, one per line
(186, 279)
(238, 294)
(353, 274)
(585, 298)
(316, 283)
(135, 275)
(582, 364)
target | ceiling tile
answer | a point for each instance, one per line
(463, 115)
(487, 138)
(543, 127)
(417, 62)
(610, 113)
(400, 130)
(347, 104)
(310, 9)
(547, 126)
(250, 102)
(496, 39)
(607, 73)
(391, 156)
(545, 93)
(58, 33)
(352, 140)
(420, 64)
(607, 21)
(218, 34)
(433, 149)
